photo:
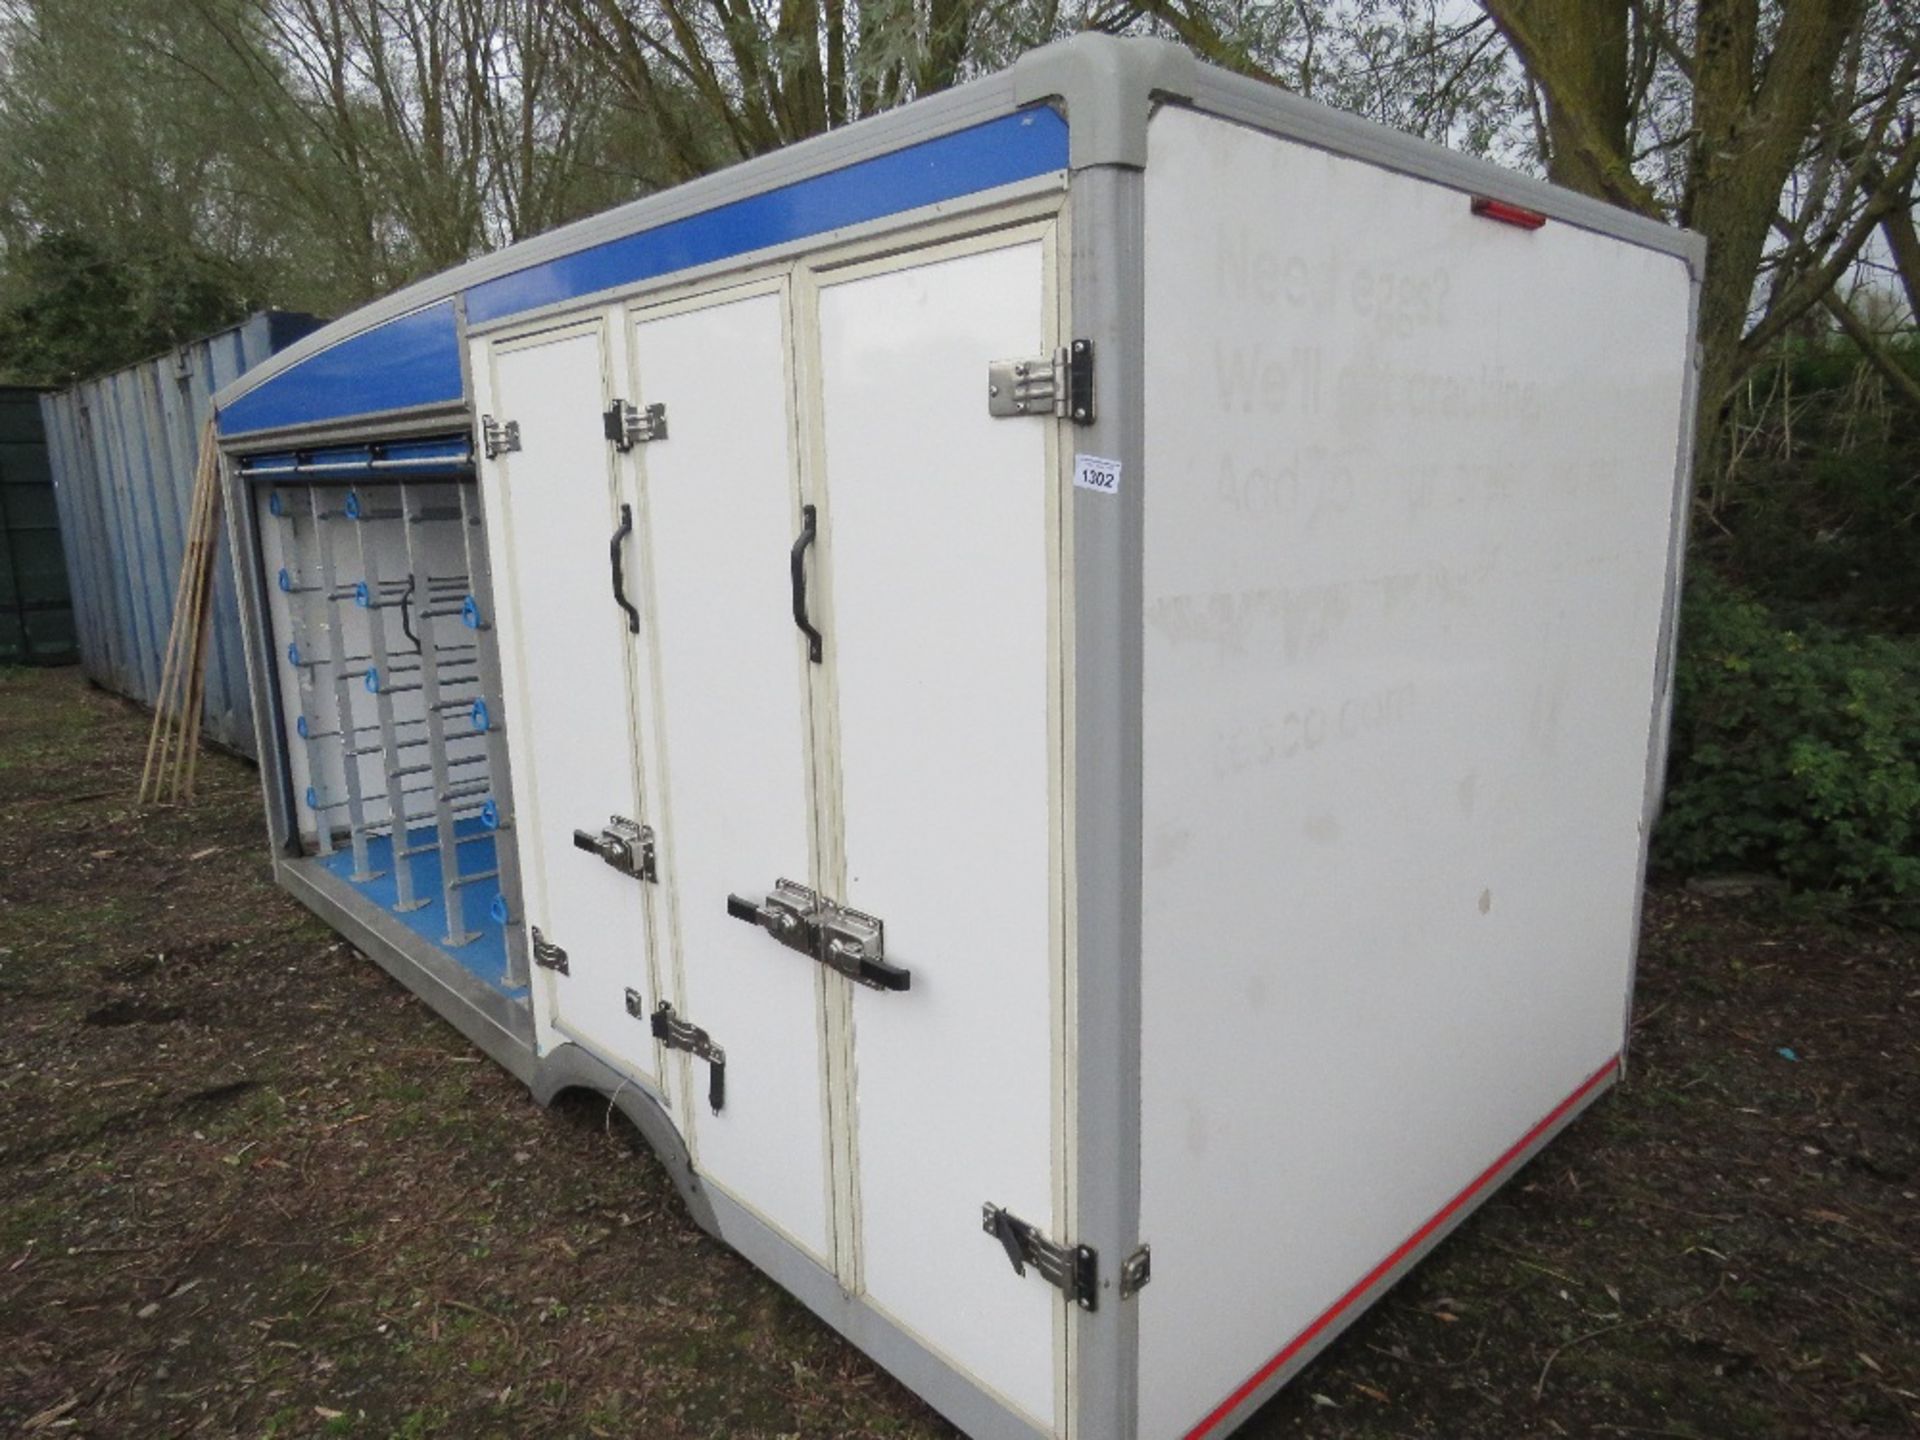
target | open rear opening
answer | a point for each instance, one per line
(387, 694)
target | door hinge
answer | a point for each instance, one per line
(843, 939)
(497, 437)
(1072, 1269)
(625, 844)
(629, 425)
(1060, 385)
(677, 1034)
(1135, 1271)
(547, 954)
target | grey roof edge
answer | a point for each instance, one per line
(1109, 87)
(1261, 106)
(977, 101)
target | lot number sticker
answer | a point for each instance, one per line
(1090, 472)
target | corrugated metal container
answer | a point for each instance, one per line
(123, 449)
(36, 612)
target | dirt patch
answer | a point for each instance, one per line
(131, 1012)
(302, 1206)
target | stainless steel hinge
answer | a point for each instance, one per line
(625, 844)
(843, 939)
(1072, 1269)
(497, 437)
(628, 425)
(677, 1034)
(1060, 384)
(1135, 1271)
(546, 954)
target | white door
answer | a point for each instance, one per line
(937, 528)
(554, 510)
(730, 773)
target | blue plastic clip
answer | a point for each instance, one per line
(313, 798)
(372, 682)
(498, 910)
(286, 581)
(274, 504)
(470, 613)
(490, 815)
(482, 721)
(300, 727)
(293, 652)
(353, 504)
(362, 596)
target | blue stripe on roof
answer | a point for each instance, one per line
(999, 152)
(414, 360)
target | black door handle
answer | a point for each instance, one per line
(800, 583)
(619, 576)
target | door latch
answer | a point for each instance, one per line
(677, 1034)
(625, 844)
(1074, 1270)
(843, 939)
(546, 954)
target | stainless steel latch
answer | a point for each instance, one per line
(789, 914)
(1073, 1269)
(630, 425)
(498, 437)
(854, 943)
(1060, 384)
(677, 1034)
(625, 844)
(546, 954)
(841, 938)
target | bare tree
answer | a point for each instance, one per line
(1786, 139)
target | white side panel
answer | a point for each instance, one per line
(729, 729)
(551, 514)
(1410, 479)
(935, 521)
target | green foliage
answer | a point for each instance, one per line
(1819, 515)
(1796, 752)
(68, 312)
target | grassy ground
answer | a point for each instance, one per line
(249, 1187)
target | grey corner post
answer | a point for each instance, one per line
(1660, 724)
(1108, 88)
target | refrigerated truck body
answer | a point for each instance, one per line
(1059, 693)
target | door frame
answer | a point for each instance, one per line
(550, 1028)
(776, 281)
(1048, 223)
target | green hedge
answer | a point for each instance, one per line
(1796, 752)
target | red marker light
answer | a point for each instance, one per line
(1507, 214)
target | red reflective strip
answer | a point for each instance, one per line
(1507, 214)
(1413, 1242)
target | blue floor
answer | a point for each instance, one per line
(485, 956)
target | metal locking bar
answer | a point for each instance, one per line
(625, 844)
(787, 914)
(854, 943)
(845, 940)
